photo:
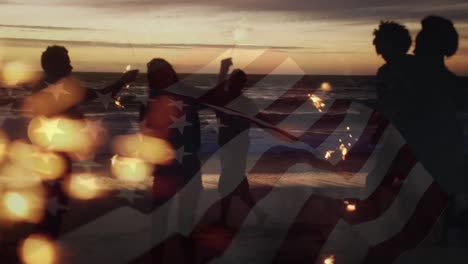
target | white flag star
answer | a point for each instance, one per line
(49, 127)
(180, 154)
(56, 90)
(94, 127)
(180, 123)
(104, 99)
(179, 104)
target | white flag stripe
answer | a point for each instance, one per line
(345, 244)
(381, 159)
(393, 220)
(388, 224)
(356, 119)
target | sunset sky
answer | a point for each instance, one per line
(319, 36)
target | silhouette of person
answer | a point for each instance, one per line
(393, 82)
(392, 41)
(56, 64)
(431, 123)
(174, 119)
(234, 142)
(442, 132)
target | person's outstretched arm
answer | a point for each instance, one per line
(115, 88)
(224, 70)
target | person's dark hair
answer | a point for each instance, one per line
(437, 36)
(391, 38)
(238, 77)
(160, 74)
(55, 60)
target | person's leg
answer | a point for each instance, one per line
(246, 196)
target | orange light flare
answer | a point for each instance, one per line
(350, 206)
(26, 205)
(344, 151)
(55, 99)
(84, 186)
(38, 249)
(17, 73)
(128, 68)
(329, 260)
(150, 149)
(317, 102)
(132, 170)
(47, 165)
(326, 87)
(65, 135)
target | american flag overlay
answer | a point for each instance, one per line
(336, 181)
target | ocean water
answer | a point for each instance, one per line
(263, 90)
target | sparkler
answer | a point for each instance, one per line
(350, 206)
(344, 151)
(117, 101)
(317, 102)
(328, 154)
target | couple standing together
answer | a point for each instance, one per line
(421, 96)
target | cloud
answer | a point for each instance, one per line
(46, 27)
(306, 9)
(28, 42)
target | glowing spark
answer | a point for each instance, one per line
(128, 68)
(118, 103)
(37, 249)
(349, 144)
(350, 136)
(350, 207)
(329, 260)
(348, 128)
(317, 102)
(344, 151)
(329, 154)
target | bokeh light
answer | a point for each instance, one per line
(131, 169)
(16, 73)
(150, 149)
(55, 99)
(23, 205)
(83, 186)
(38, 249)
(47, 165)
(64, 135)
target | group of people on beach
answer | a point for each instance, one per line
(417, 93)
